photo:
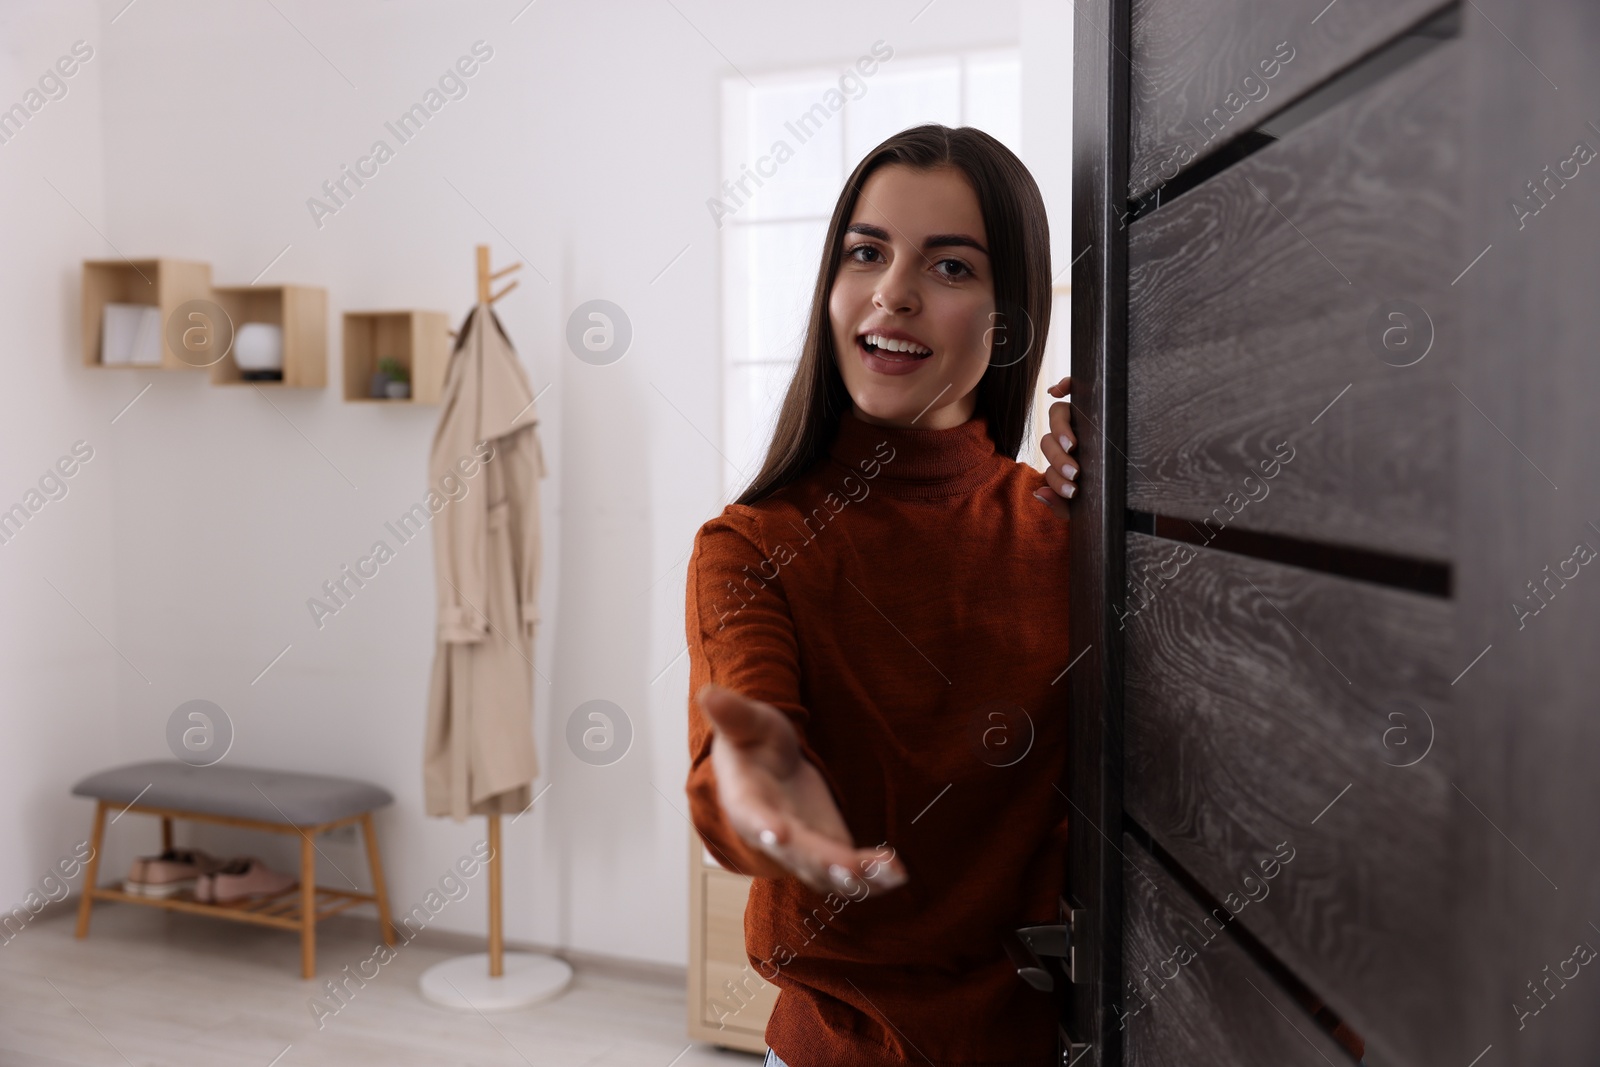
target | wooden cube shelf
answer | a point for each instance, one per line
(300, 311)
(729, 1000)
(418, 340)
(163, 283)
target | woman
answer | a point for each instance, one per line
(877, 625)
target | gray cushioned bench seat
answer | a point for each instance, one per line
(239, 792)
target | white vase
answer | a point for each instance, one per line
(258, 346)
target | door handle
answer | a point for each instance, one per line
(1032, 947)
(1025, 958)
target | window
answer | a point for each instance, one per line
(794, 153)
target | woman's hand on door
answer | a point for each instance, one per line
(1056, 445)
(777, 800)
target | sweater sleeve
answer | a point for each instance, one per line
(740, 635)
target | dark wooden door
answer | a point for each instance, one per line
(1336, 357)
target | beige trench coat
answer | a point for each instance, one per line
(479, 756)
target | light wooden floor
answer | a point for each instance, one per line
(150, 988)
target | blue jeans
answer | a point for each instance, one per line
(772, 1060)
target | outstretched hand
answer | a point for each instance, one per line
(778, 801)
(1056, 445)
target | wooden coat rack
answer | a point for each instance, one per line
(497, 946)
(486, 279)
(460, 983)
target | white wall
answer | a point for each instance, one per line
(59, 680)
(1046, 44)
(587, 145)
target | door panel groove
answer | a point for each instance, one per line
(1203, 74)
(1219, 919)
(1407, 48)
(1197, 174)
(1362, 565)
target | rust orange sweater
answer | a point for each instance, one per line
(905, 604)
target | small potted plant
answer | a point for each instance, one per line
(396, 379)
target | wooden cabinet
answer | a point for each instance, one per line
(728, 1000)
(164, 284)
(418, 340)
(171, 286)
(299, 311)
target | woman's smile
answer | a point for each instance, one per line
(890, 351)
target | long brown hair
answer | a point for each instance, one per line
(1019, 251)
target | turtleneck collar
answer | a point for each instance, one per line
(916, 462)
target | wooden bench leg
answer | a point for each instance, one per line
(91, 873)
(379, 890)
(308, 907)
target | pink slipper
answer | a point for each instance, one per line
(241, 878)
(168, 874)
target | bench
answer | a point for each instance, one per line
(256, 799)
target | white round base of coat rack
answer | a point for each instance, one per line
(464, 983)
